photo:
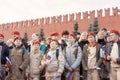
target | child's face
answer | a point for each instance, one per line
(36, 46)
(53, 45)
(113, 37)
(91, 39)
(65, 37)
(55, 37)
(100, 35)
(71, 40)
(18, 42)
(83, 36)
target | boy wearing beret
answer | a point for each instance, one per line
(4, 52)
(54, 35)
(90, 57)
(15, 34)
(114, 56)
(19, 60)
(53, 62)
(35, 61)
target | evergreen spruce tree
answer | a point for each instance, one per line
(42, 35)
(95, 28)
(76, 29)
(90, 28)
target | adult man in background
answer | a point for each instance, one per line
(4, 52)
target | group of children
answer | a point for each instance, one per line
(95, 57)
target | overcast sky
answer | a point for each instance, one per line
(17, 10)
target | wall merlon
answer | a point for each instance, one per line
(92, 14)
(65, 18)
(107, 12)
(15, 25)
(85, 15)
(99, 13)
(2, 26)
(53, 19)
(59, 19)
(25, 23)
(35, 22)
(20, 24)
(8, 26)
(115, 11)
(47, 20)
(41, 21)
(78, 16)
(71, 17)
(5, 26)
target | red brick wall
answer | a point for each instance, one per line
(64, 22)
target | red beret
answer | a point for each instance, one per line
(17, 38)
(115, 31)
(73, 35)
(91, 34)
(15, 33)
(54, 34)
(54, 40)
(36, 42)
(1, 35)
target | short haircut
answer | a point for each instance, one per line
(65, 33)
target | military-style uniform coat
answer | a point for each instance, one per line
(85, 55)
(35, 64)
(19, 59)
(54, 64)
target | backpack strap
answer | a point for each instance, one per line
(118, 48)
(57, 53)
(23, 52)
(76, 52)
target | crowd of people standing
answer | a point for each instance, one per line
(88, 56)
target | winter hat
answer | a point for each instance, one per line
(1, 35)
(115, 31)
